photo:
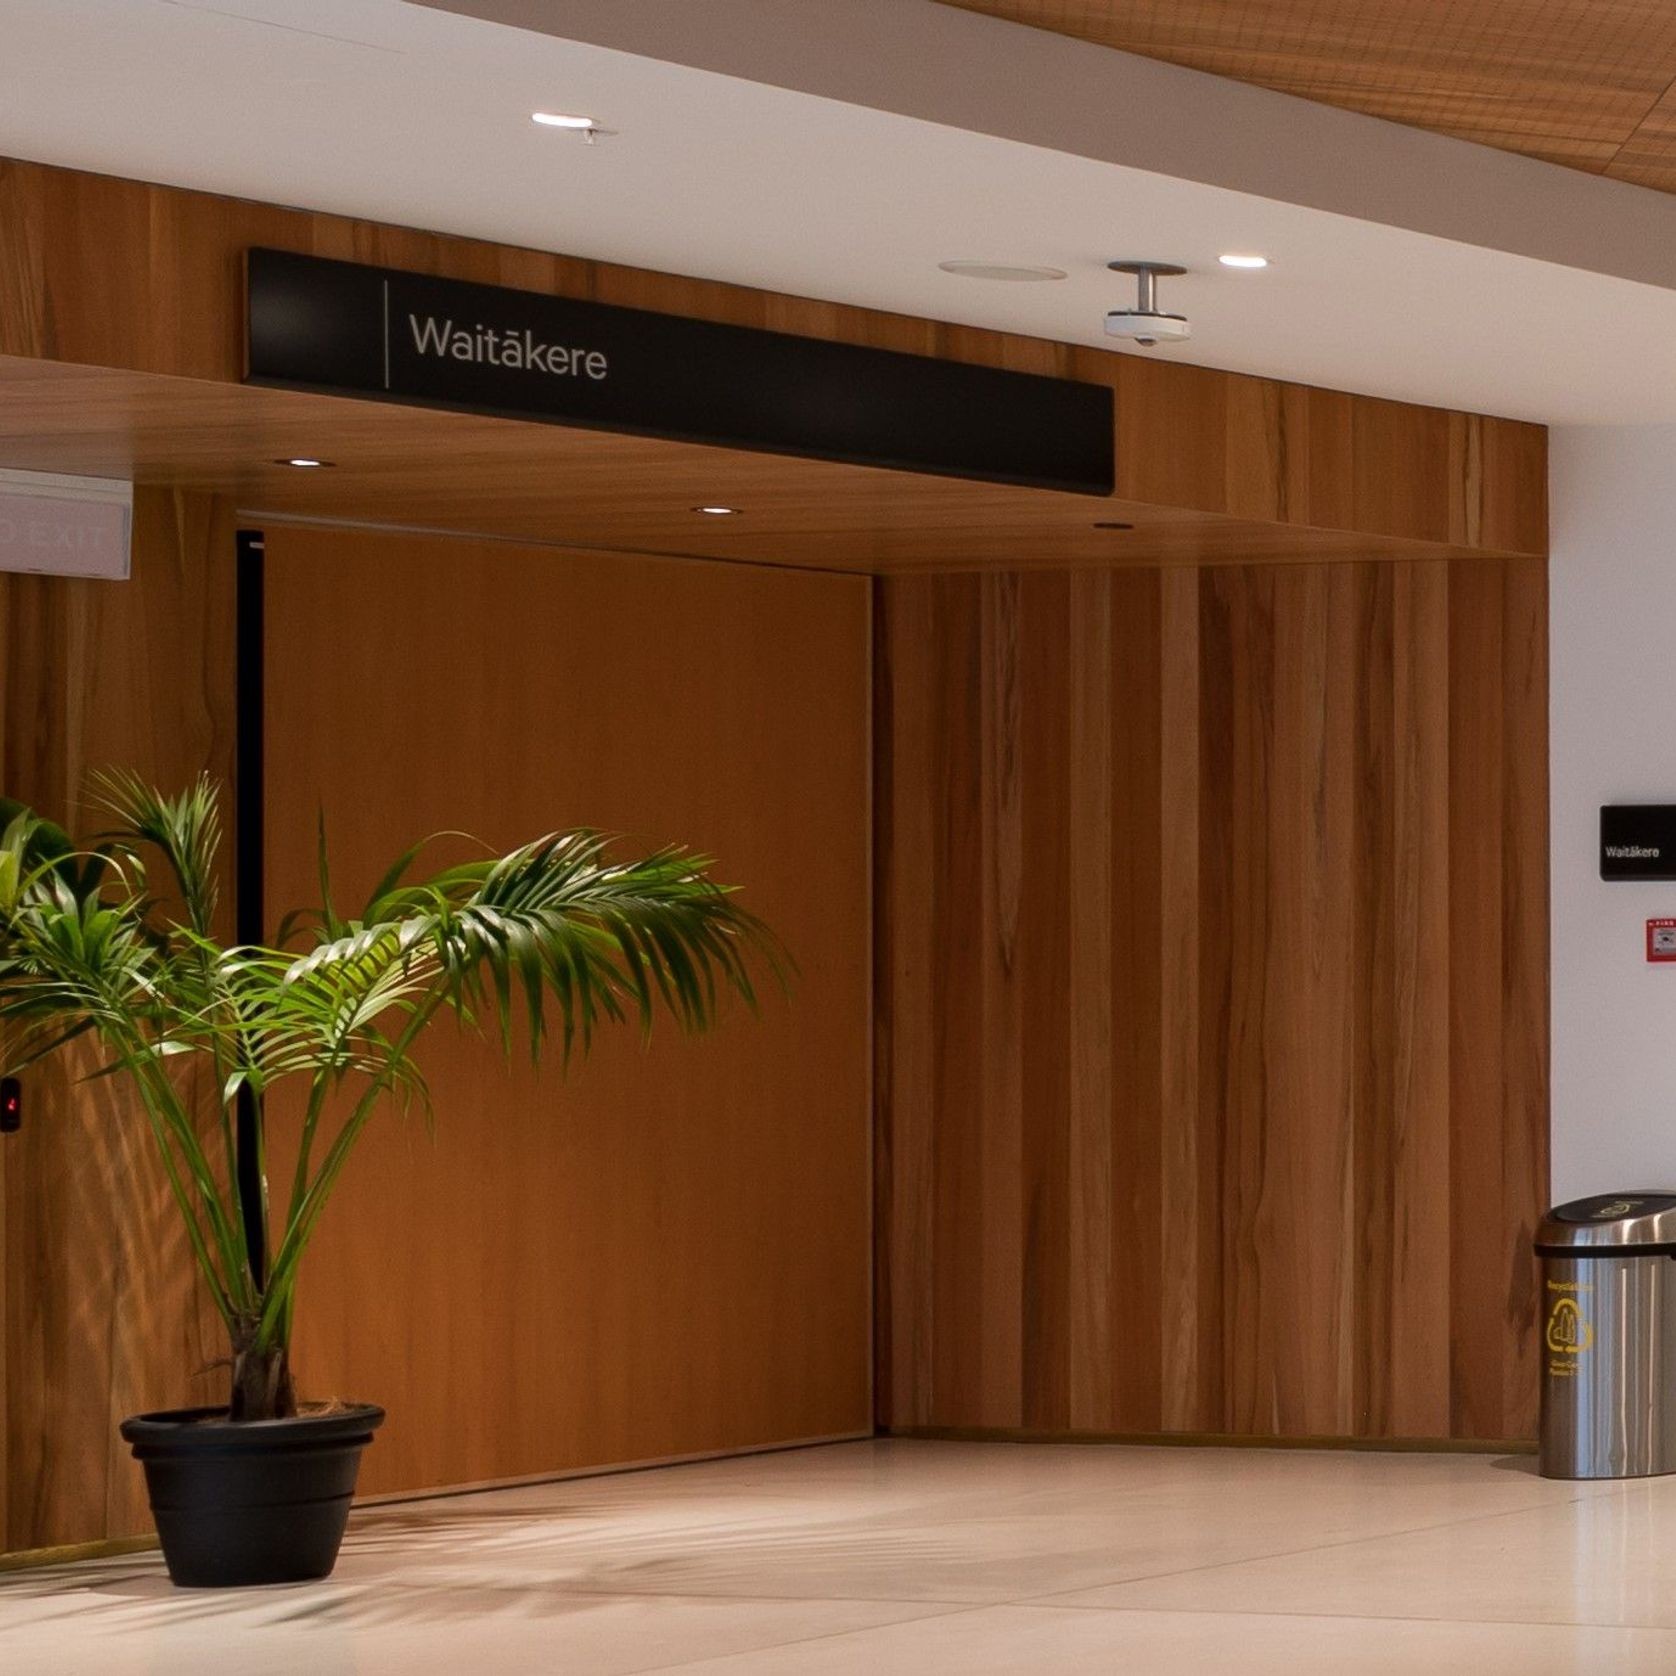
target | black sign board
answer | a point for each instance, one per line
(339, 327)
(1638, 841)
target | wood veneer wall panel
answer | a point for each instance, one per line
(1525, 965)
(100, 1313)
(1189, 1148)
(1133, 997)
(124, 275)
(1045, 984)
(1303, 1052)
(1087, 813)
(669, 1251)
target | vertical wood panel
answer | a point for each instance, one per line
(1308, 1044)
(903, 1021)
(1421, 832)
(1525, 970)
(1189, 1249)
(100, 1312)
(1212, 956)
(1254, 1332)
(1134, 999)
(1375, 979)
(1000, 1056)
(1088, 1037)
(1043, 967)
(953, 897)
(1477, 1051)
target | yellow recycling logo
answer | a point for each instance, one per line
(1568, 1333)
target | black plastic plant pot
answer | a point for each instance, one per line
(262, 1501)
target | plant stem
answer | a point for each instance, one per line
(259, 1133)
(311, 1119)
(163, 1104)
(275, 1305)
(194, 1233)
(224, 1106)
(261, 1386)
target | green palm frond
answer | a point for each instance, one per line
(558, 921)
(558, 925)
(186, 828)
(330, 1021)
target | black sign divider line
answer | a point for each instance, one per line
(343, 328)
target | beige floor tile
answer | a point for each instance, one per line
(1602, 1559)
(464, 1622)
(959, 1523)
(1036, 1641)
(889, 1556)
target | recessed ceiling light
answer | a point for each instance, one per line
(718, 511)
(303, 463)
(1235, 260)
(999, 270)
(558, 119)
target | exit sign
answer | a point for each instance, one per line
(52, 525)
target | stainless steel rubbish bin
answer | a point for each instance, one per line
(1609, 1336)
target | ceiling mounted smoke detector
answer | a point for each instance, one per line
(1146, 323)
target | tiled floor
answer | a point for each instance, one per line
(914, 1559)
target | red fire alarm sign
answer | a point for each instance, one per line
(1661, 939)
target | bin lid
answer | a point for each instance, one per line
(1613, 1220)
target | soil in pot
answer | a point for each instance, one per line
(257, 1501)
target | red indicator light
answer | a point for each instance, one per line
(11, 1106)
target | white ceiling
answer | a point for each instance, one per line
(381, 109)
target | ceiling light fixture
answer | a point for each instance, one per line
(1235, 260)
(999, 270)
(718, 511)
(303, 463)
(589, 129)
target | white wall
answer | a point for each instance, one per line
(1613, 651)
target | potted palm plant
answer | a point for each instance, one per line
(113, 941)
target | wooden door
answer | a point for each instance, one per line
(665, 1253)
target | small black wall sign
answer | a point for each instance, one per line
(339, 327)
(1638, 841)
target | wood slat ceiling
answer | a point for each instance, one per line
(1590, 84)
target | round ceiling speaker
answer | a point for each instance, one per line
(999, 270)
